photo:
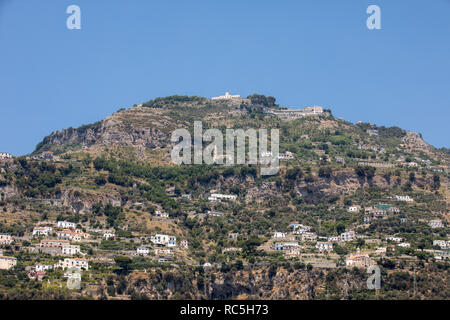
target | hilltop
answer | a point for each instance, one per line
(346, 195)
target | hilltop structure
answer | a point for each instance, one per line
(292, 114)
(227, 96)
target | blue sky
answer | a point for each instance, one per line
(303, 52)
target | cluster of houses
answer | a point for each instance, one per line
(5, 156)
(290, 248)
(164, 247)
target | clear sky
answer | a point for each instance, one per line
(303, 52)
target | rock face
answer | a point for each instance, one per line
(414, 141)
(83, 203)
(116, 130)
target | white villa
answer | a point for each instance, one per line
(354, 209)
(333, 239)
(162, 239)
(278, 235)
(404, 198)
(324, 246)
(405, 245)
(68, 235)
(43, 267)
(442, 244)
(109, 235)
(5, 155)
(436, 224)
(7, 263)
(359, 261)
(219, 197)
(42, 231)
(5, 238)
(286, 156)
(70, 250)
(66, 225)
(395, 239)
(380, 250)
(79, 263)
(161, 214)
(309, 236)
(348, 236)
(143, 251)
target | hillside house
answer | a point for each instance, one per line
(43, 267)
(213, 213)
(444, 245)
(278, 235)
(109, 235)
(334, 239)
(405, 245)
(403, 198)
(356, 208)
(218, 197)
(70, 250)
(436, 224)
(7, 263)
(5, 156)
(42, 231)
(347, 236)
(309, 236)
(68, 234)
(5, 239)
(324, 246)
(162, 239)
(233, 236)
(394, 239)
(143, 251)
(66, 225)
(79, 263)
(286, 156)
(380, 251)
(184, 244)
(359, 261)
(161, 214)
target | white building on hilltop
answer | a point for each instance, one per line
(5, 155)
(227, 96)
